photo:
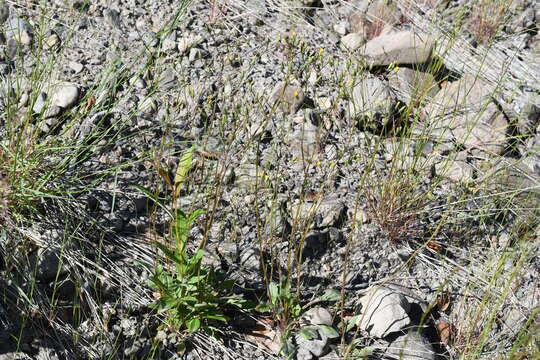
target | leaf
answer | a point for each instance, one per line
(168, 252)
(264, 307)
(309, 332)
(184, 165)
(364, 353)
(196, 279)
(446, 332)
(352, 322)
(330, 295)
(443, 301)
(195, 215)
(329, 331)
(433, 245)
(193, 325)
(217, 317)
(227, 284)
(165, 175)
(273, 290)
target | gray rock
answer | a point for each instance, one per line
(342, 27)
(4, 12)
(383, 12)
(457, 171)
(289, 95)
(19, 30)
(529, 115)
(65, 95)
(113, 17)
(384, 311)
(167, 79)
(358, 22)
(304, 142)
(52, 42)
(485, 132)
(15, 356)
(353, 41)
(39, 104)
(45, 353)
(77, 67)
(412, 346)
(48, 264)
(462, 98)
(404, 47)
(372, 99)
(531, 156)
(250, 259)
(247, 175)
(465, 107)
(188, 41)
(412, 86)
(310, 348)
(317, 316)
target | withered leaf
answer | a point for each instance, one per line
(443, 301)
(446, 332)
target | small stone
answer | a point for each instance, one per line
(48, 264)
(341, 27)
(353, 41)
(372, 100)
(52, 42)
(65, 95)
(413, 86)
(404, 47)
(39, 104)
(195, 54)
(290, 96)
(412, 346)
(304, 142)
(188, 41)
(4, 12)
(169, 44)
(383, 312)
(310, 348)
(77, 67)
(318, 316)
(250, 259)
(167, 79)
(113, 17)
(248, 175)
(19, 30)
(457, 171)
(148, 106)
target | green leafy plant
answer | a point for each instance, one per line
(187, 292)
(282, 303)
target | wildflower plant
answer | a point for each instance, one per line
(186, 291)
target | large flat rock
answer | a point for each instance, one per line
(404, 47)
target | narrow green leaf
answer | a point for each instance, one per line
(184, 165)
(262, 308)
(309, 332)
(193, 325)
(168, 252)
(330, 295)
(329, 331)
(273, 290)
(352, 322)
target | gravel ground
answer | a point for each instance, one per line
(268, 93)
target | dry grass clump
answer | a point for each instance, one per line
(487, 18)
(390, 206)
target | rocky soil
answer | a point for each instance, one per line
(380, 151)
